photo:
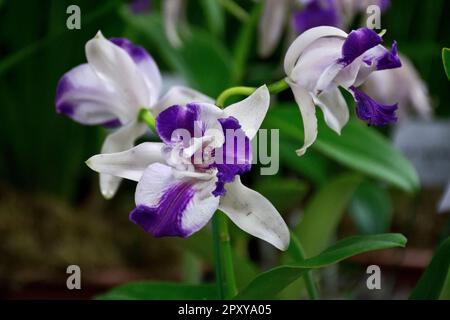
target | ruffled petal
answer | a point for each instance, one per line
(374, 113)
(254, 214)
(251, 111)
(308, 111)
(82, 96)
(167, 206)
(129, 164)
(118, 141)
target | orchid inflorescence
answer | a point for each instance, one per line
(195, 170)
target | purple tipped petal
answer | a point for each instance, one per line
(234, 157)
(81, 95)
(357, 43)
(165, 218)
(177, 117)
(374, 113)
(145, 63)
(317, 13)
(390, 59)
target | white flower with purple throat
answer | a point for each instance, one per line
(176, 194)
(118, 81)
(321, 60)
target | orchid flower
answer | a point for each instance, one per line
(118, 80)
(403, 85)
(325, 58)
(177, 195)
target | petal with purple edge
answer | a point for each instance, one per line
(146, 65)
(357, 43)
(116, 68)
(374, 113)
(390, 59)
(166, 206)
(254, 214)
(176, 118)
(82, 96)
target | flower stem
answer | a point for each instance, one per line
(146, 117)
(274, 88)
(225, 278)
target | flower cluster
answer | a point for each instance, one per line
(196, 168)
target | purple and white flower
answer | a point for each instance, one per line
(177, 195)
(325, 58)
(119, 79)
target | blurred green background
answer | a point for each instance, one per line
(52, 213)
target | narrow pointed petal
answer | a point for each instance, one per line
(148, 67)
(82, 96)
(305, 40)
(334, 109)
(374, 113)
(118, 141)
(251, 111)
(179, 95)
(167, 206)
(118, 70)
(172, 11)
(254, 214)
(129, 164)
(271, 26)
(308, 111)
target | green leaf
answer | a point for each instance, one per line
(160, 291)
(358, 147)
(432, 281)
(371, 208)
(269, 283)
(324, 212)
(446, 60)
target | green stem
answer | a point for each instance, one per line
(274, 88)
(225, 278)
(234, 9)
(146, 117)
(297, 252)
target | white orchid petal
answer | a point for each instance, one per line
(179, 95)
(116, 68)
(305, 40)
(271, 25)
(129, 164)
(118, 141)
(334, 108)
(308, 111)
(254, 214)
(251, 111)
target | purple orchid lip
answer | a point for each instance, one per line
(374, 113)
(358, 42)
